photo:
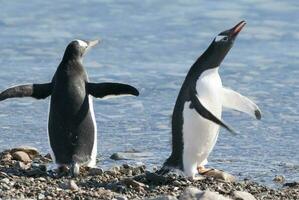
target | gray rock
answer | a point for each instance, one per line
(221, 175)
(70, 185)
(241, 195)
(163, 197)
(192, 193)
(133, 183)
(95, 171)
(120, 197)
(21, 156)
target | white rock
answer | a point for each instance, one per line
(208, 195)
(241, 195)
(192, 193)
(5, 180)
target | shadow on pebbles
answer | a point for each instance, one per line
(24, 175)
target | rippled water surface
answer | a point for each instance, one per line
(151, 45)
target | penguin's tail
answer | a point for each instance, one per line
(75, 166)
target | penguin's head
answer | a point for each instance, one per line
(77, 49)
(227, 38)
(221, 44)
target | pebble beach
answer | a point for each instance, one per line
(24, 174)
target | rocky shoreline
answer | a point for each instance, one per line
(24, 175)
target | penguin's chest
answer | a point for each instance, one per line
(200, 134)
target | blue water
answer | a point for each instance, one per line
(151, 45)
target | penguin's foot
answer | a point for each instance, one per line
(62, 169)
(75, 170)
(202, 170)
(57, 170)
(163, 171)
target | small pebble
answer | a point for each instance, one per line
(72, 185)
(5, 180)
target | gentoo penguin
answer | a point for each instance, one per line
(197, 113)
(72, 127)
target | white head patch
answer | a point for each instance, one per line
(220, 37)
(82, 43)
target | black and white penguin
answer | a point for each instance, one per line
(197, 113)
(72, 127)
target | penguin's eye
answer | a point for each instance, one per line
(221, 38)
(225, 38)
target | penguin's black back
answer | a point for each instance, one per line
(71, 128)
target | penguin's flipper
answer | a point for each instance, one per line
(38, 91)
(101, 90)
(232, 99)
(205, 113)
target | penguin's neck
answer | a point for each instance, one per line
(71, 65)
(210, 59)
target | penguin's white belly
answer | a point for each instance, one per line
(200, 134)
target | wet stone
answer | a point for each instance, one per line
(279, 179)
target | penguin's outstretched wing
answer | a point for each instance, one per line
(205, 113)
(232, 99)
(101, 90)
(38, 91)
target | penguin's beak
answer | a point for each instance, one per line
(92, 43)
(236, 29)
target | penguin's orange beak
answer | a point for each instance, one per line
(236, 29)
